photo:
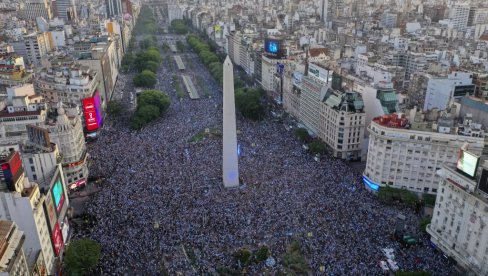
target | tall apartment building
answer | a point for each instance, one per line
(314, 87)
(39, 156)
(67, 133)
(12, 257)
(405, 152)
(65, 9)
(459, 15)
(342, 123)
(460, 216)
(441, 91)
(22, 202)
(114, 8)
(33, 47)
(37, 8)
(66, 81)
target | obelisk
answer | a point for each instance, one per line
(230, 168)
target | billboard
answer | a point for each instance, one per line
(57, 239)
(318, 72)
(58, 194)
(467, 163)
(92, 112)
(483, 183)
(12, 169)
(273, 48)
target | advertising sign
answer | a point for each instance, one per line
(12, 169)
(318, 72)
(57, 239)
(58, 194)
(90, 114)
(51, 213)
(272, 47)
(98, 107)
(467, 163)
(483, 183)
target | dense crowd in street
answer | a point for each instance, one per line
(163, 198)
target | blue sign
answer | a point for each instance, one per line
(280, 68)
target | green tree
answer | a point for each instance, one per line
(180, 46)
(151, 66)
(261, 254)
(242, 257)
(114, 108)
(127, 61)
(156, 98)
(248, 102)
(294, 261)
(178, 26)
(316, 147)
(145, 79)
(82, 256)
(302, 134)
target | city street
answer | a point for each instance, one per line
(164, 198)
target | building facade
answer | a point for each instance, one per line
(458, 225)
(12, 257)
(404, 156)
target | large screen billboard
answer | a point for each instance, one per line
(12, 169)
(57, 239)
(467, 163)
(273, 48)
(98, 107)
(58, 194)
(91, 122)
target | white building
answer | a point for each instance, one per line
(37, 8)
(406, 153)
(458, 226)
(441, 91)
(459, 15)
(33, 47)
(12, 257)
(174, 12)
(341, 123)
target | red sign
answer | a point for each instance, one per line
(57, 239)
(90, 114)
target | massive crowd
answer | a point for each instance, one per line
(163, 198)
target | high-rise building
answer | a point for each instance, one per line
(12, 257)
(65, 9)
(114, 8)
(460, 216)
(37, 8)
(33, 47)
(459, 16)
(405, 153)
(441, 91)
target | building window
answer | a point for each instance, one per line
(34, 177)
(31, 161)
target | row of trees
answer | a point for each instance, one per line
(178, 26)
(248, 100)
(146, 23)
(151, 104)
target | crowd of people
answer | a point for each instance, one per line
(163, 199)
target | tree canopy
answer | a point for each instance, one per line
(145, 79)
(114, 108)
(178, 26)
(151, 104)
(82, 256)
(316, 147)
(248, 102)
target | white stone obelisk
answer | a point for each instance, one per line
(230, 168)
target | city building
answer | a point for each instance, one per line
(458, 225)
(23, 107)
(12, 70)
(12, 257)
(114, 8)
(65, 9)
(459, 16)
(22, 202)
(64, 80)
(405, 152)
(37, 8)
(442, 91)
(33, 47)
(174, 12)
(342, 123)
(314, 86)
